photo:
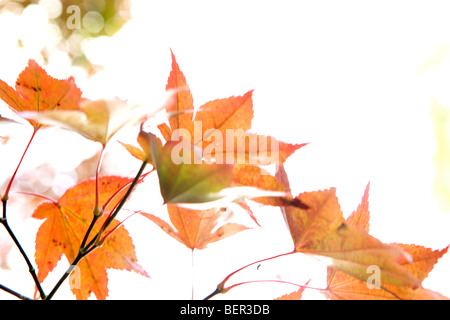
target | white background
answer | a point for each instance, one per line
(343, 76)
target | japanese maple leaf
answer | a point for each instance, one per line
(321, 231)
(194, 228)
(65, 225)
(207, 180)
(182, 106)
(246, 148)
(36, 91)
(214, 121)
(265, 188)
(343, 286)
(181, 179)
(254, 176)
(97, 120)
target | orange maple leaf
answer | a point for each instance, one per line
(361, 216)
(65, 225)
(220, 127)
(256, 177)
(37, 91)
(182, 106)
(193, 228)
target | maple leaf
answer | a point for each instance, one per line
(343, 286)
(361, 216)
(353, 251)
(230, 113)
(97, 120)
(246, 148)
(37, 91)
(323, 216)
(65, 225)
(134, 151)
(220, 127)
(182, 105)
(194, 228)
(321, 231)
(273, 192)
(145, 140)
(184, 181)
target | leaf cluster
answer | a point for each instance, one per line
(207, 160)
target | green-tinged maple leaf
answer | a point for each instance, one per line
(321, 231)
(323, 216)
(36, 91)
(182, 180)
(353, 251)
(65, 225)
(342, 286)
(195, 228)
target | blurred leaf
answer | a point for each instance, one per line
(96, 120)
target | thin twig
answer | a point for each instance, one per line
(215, 292)
(126, 196)
(65, 275)
(259, 261)
(14, 293)
(88, 232)
(221, 286)
(4, 222)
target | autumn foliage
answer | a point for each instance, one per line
(203, 155)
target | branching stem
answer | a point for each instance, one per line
(4, 222)
(85, 249)
(221, 286)
(65, 275)
(253, 263)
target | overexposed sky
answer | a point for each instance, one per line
(344, 76)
